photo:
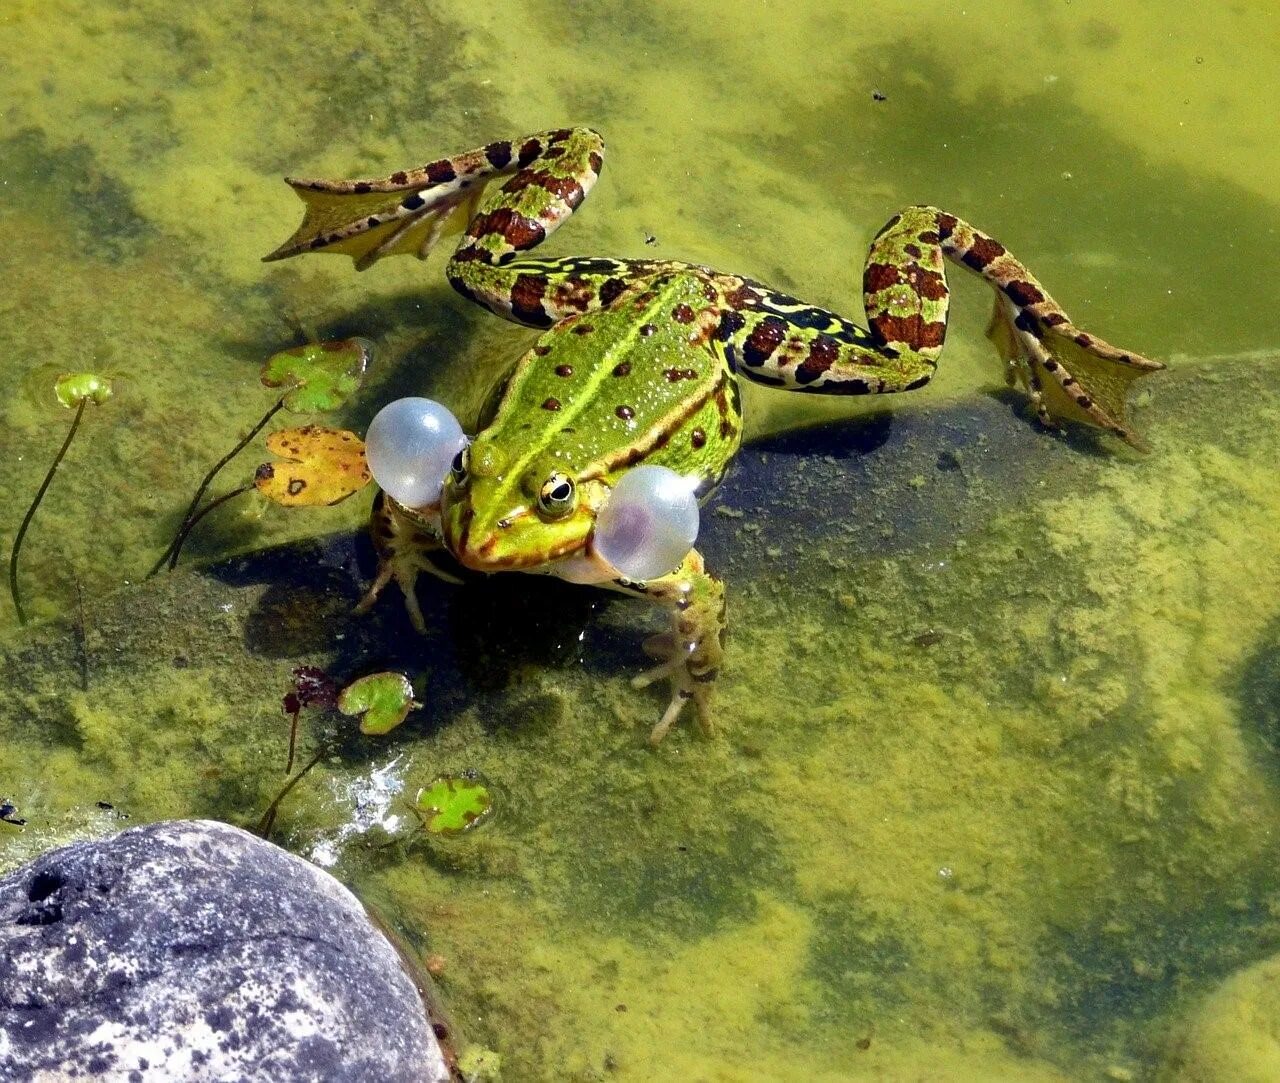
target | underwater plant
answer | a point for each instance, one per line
(453, 804)
(383, 701)
(74, 390)
(312, 687)
(317, 378)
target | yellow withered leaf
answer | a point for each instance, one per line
(318, 467)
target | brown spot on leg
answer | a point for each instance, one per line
(982, 252)
(823, 353)
(1023, 293)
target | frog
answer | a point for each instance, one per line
(638, 365)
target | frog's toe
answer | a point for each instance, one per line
(1070, 374)
(687, 685)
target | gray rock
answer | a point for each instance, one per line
(192, 950)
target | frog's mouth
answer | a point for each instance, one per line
(514, 543)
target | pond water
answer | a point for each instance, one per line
(994, 791)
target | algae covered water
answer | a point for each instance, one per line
(994, 793)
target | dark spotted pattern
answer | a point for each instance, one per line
(610, 289)
(730, 324)
(499, 154)
(441, 172)
(1023, 293)
(763, 340)
(582, 328)
(698, 439)
(519, 232)
(413, 202)
(823, 353)
(541, 350)
(529, 150)
(625, 412)
(982, 252)
(564, 370)
(880, 276)
(646, 330)
(622, 368)
(911, 331)
(526, 300)
(551, 404)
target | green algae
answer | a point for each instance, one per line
(1008, 818)
(997, 780)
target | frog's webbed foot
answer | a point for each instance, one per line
(368, 219)
(404, 549)
(1069, 374)
(690, 654)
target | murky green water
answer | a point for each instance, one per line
(996, 789)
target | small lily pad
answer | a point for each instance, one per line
(320, 467)
(72, 388)
(384, 699)
(453, 804)
(322, 375)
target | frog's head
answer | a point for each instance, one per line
(498, 508)
(500, 511)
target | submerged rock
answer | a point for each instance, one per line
(193, 950)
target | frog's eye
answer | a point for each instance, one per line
(649, 523)
(460, 469)
(409, 446)
(556, 497)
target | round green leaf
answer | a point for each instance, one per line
(322, 375)
(72, 388)
(383, 699)
(453, 804)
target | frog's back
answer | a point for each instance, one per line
(643, 380)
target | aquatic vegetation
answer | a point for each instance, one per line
(312, 687)
(383, 701)
(317, 378)
(479, 1065)
(74, 390)
(453, 804)
(319, 467)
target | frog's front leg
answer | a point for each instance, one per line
(692, 651)
(405, 547)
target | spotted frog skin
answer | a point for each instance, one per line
(640, 360)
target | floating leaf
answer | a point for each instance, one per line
(322, 375)
(321, 467)
(72, 388)
(382, 698)
(453, 804)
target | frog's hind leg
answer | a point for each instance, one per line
(1069, 374)
(408, 211)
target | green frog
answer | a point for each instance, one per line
(638, 367)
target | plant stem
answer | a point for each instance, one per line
(190, 524)
(269, 817)
(26, 522)
(293, 739)
(168, 555)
